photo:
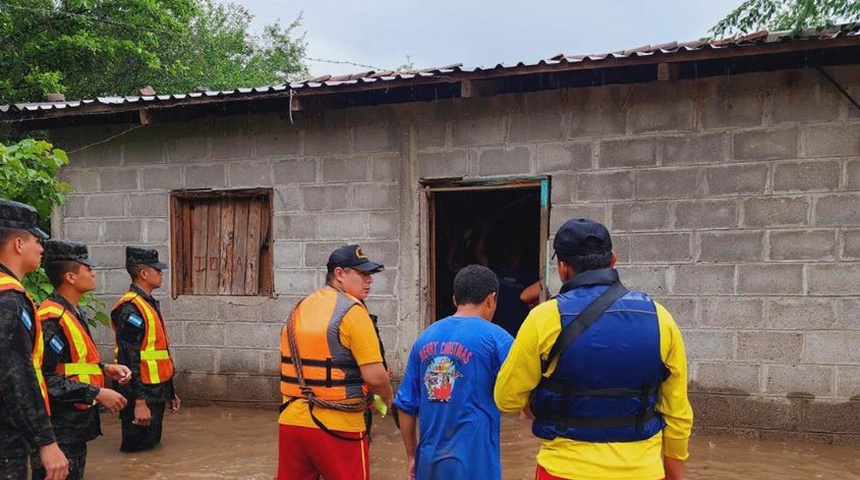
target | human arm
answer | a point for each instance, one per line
(61, 389)
(673, 403)
(674, 468)
(358, 334)
(409, 433)
(408, 401)
(129, 327)
(531, 294)
(376, 378)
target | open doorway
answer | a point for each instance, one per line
(503, 227)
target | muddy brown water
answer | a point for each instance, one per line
(232, 443)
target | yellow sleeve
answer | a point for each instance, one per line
(673, 402)
(521, 371)
(358, 335)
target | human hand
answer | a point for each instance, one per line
(410, 469)
(526, 414)
(142, 414)
(119, 373)
(174, 404)
(55, 462)
(111, 400)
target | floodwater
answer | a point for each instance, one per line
(231, 443)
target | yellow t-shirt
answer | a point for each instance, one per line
(358, 335)
(565, 458)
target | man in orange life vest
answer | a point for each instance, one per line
(142, 344)
(72, 366)
(24, 410)
(330, 364)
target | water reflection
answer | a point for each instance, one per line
(231, 443)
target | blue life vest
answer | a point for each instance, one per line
(606, 383)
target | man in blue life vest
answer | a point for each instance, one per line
(24, 410)
(601, 370)
(72, 366)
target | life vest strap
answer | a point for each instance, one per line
(557, 385)
(565, 422)
(329, 382)
(311, 362)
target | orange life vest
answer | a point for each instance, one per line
(8, 282)
(156, 366)
(84, 366)
(328, 367)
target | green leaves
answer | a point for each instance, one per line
(28, 173)
(782, 15)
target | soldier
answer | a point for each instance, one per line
(142, 344)
(24, 408)
(72, 367)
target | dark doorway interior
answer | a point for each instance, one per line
(498, 227)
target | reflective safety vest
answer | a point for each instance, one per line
(8, 282)
(606, 383)
(156, 366)
(328, 367)
(84, 366)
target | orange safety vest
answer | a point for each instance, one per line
(8, 282)
(328, 367)
(84, 366)
(156, 366)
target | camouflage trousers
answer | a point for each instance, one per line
(76, 454)
(13, 468)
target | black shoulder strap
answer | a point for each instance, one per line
(585, 319)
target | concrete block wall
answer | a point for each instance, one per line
(735, 201)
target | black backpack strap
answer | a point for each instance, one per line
(585, 319)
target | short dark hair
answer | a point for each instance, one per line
(592, 261)
(134, 270)
(473, 284)
(56, 270)
(7, 233)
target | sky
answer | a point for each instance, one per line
(388, 34)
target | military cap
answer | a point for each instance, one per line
(64, 251)
(143, 256)
(351, 256)
(20, 216)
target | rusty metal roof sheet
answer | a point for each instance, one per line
(346, 82)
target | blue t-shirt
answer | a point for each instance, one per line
(448, 385)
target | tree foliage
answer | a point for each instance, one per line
(781, 15)
(90, 48)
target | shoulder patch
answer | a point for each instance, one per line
(135, 320)
(25, 317)
(57, 345)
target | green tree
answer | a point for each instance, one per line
(781, 15)
(90, 48)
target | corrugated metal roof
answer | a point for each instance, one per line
(345, 82)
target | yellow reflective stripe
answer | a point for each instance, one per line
(148, 353)
(154, 355)
(81, 369)
(9, 280)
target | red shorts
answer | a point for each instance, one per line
(542, 474)
(306, 453)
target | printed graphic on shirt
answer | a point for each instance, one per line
(25, 317)
(439, 379)
(57, 345)
(135, 320)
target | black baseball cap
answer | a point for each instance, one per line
(582, 236)
(20, 216)
(143, 256)
(64, 251)
(351, 256)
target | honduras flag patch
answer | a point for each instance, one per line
(57, 345)
(135, 320)
(25, 317)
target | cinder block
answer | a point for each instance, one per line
(663, 183)
(232, 147)
(204, 176)
(603, 186)
(766, 144)
(697, 149)
(704, 279)
(188, 149)
(639, 216)
(478, 131)
(194, 360)
(661, 248)
(735, 246)
(559, 215)
(83, 181)
(851, 244)
(767, 413)
(385, 167)
(711, 409)
(108, 256)
(375, 138)
(509, 161)
(806, 176)
(293, 227)
(838, 279)
(544, 126)
(783, 347)
(769, 279)
(147, 152)
(336, 226)
(332, 141)
(832, 140)
(806, 313)
(254, 389)
(252, 335)
(288, 255)
(734, 101)
(376, 197)
(848, 381)
(122, 231)
(161, 178)
(736, 179)
(345, 169)
(236, 360)
(325, 199)
(297, 282)
(431, 134)
(598, 110)
(103, 155)
(637, 152)
(383, 224)
(443, 164)
(838, 210)
(661, 107)
(706, 214)
(148, 205)
(808, 380)
(803, 245)
(384, 252)
(287, 199)
(832, 347)
(709, 345)
(647, 279)
(83, 231)
(562, 189)
(563, 157)
(155, 231)
(736, 313)
(288, 172)
(683, 309)
(853, 180)
(106, 206)
(194, 307)
(846, 313)
(804, 97)
(119, 179)
(776, 211)
(204, 334)
(281, 143)
(728, 377)
(250, 174)
(206, 387)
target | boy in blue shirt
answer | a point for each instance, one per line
(448, 386)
